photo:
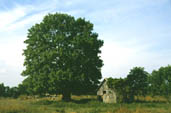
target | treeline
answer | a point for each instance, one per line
(141, 83)
(14, 92)
(6, 91)
(137, 83)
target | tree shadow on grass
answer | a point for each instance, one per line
(61, 102)
(82, 101)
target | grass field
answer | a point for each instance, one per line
(81, 104)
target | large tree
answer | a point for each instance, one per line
(62, 56)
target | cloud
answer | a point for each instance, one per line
(27, 22)
(3, 70)
(119, 59)
(11, 60)
(10, 16)
(12, 52)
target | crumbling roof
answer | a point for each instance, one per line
(105, 79)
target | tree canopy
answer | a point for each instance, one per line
(62, 56)
(160, 81)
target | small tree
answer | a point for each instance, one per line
(137, 82)
(62, 56)
(160, 81)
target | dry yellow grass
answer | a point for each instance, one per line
(123, 110)
(152, 99)
(12, 106)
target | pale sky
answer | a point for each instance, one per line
(135, 32)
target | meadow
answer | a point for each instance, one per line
(82, 104)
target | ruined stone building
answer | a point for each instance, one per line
(106, 94)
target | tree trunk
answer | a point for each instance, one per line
(66, 96)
